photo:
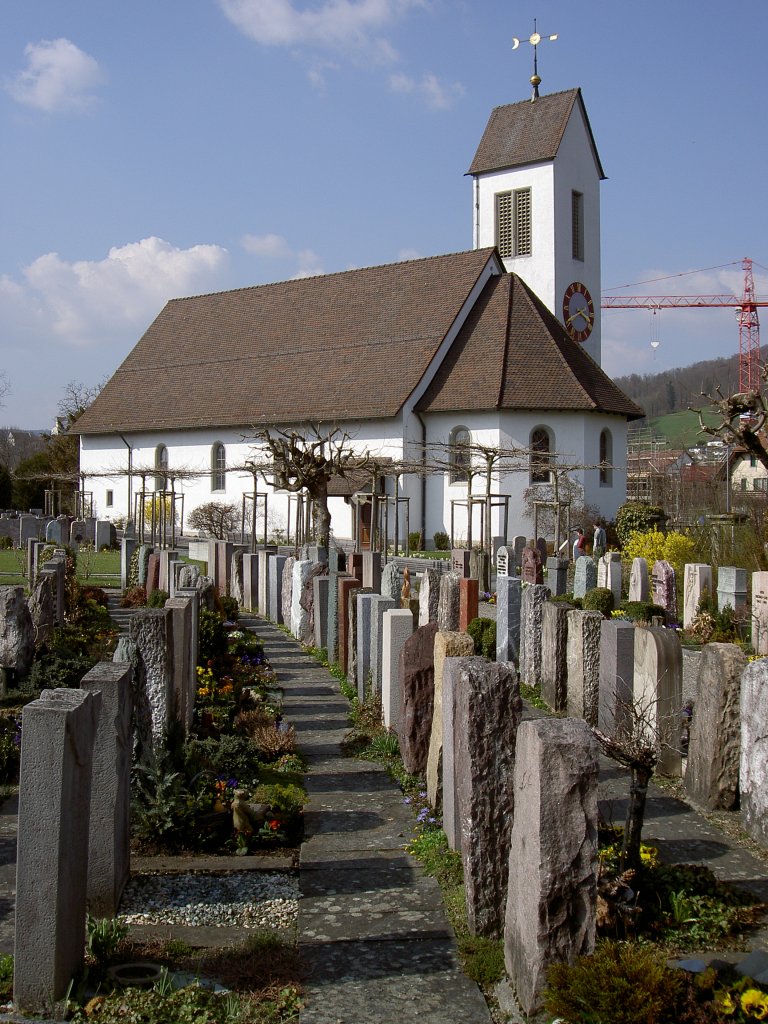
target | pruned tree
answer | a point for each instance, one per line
(307, 459)
(741, 418)
(214, 518)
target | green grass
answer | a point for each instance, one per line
(95, 569)
(681, 429)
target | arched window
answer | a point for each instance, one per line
(606, 459)
(161, 465)
(459, 455)
(541, 456)
(218, 467)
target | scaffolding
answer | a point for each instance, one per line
(251, 502)
(164, 509)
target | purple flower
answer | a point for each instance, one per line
(422, 815)
(407, 800)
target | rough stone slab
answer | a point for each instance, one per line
(508, 597)
(448, 602)
(712, 772)
(554, 651)
(379, 606)
(658, 691)
(584, 664)
(447, 645)
(429, 596)
(397, 627)
(754, 750)
(552, 893)
(469, 591)
(617, 670)
(533, 598)
(417, 679)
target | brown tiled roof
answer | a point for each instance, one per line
(528, 132)
(512, 353)
(339, 347)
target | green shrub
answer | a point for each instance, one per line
(230, 608)
(622, 982)
(483, 633)
(212, 636)
(637, 516)
(10, 748)
(233, 756)
(59, 669)
(133, 597)
(157, 598)
(416, 541)
(442, 541)
(641, 611)
(5, 543)
(599, 599)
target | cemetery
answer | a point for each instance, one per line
(318, 749)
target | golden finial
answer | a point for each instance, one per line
(534, 39)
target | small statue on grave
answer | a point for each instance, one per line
(405, 592)
(532, 569)
(247, 817)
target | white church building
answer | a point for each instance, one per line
(424, 364)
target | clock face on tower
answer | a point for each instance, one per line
(578, 311)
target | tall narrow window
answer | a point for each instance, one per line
(514, 233)
(218, 467)
(161, 467)
(606, 459)
(541, 456)
(459, 455)
(577, 225)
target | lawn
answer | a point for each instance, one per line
(95, 568)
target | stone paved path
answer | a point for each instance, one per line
(372, 929)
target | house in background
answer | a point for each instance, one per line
(408, 359)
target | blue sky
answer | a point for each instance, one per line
(161, 148)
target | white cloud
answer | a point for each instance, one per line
(88, 303)
(336, 24)
(58, 76)
(437, 95)
(273, 246)
(408, 254)
(309, 264)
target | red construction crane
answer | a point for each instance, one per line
(749, 324)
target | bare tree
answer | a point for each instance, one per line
(307, 459)
(213, 518)
(742, 418)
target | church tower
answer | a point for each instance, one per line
(536, 196)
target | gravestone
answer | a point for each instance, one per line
(429, 596)
(753, 775)
(664, 589)
(487, 713)
(184, 650)
(372, 570)
(302, 571)
(286, 591)
(264, 585)
(277, 565)
(109, 849)
(609, 575)
(554, 650)
(760, 612)
(731, 588)
(696, 582)
(447, 645)
(533, 598)
(104, 535)
(34, 547)
(379, 606)
(143, 566)
(448, 606)
(332, 604)
(712, 771)
(478, 567)
(397, 627)
(417, 682)
(639, 585)
(658, 691)
(355, 565)
(505, 562)
(552, 887)
(363, 641)
(508, 597)
(127, 547)
(308, 600)
(42, 609)
(391, 581)
(152, 631)
(617, 671)
(321, 586)
(460, 561)
(531, 571)
(250, 581)
(164, 574)
(153, 573)
(17, 631)
(348, 586)
(585, 576)
(469, 596)
(541, 547)
(584, 664)
(52, 847)
(236, 574)
(519, 543)
(53, 533)
(557, 575)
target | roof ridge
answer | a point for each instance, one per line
(505, 354)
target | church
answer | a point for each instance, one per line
(427, 365)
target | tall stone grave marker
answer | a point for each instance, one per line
(449, 602)
(447, 645)
(519, 543)
(397, 627)
(429, 596)
(277, 565)
(487, 713)
(151, 629)
(348, 587)
(664, 589)
(609, 575)
(557, 575)
(391, 581)
(417, 683)
(286, 591)
(109, 850)
(532, 571)
(505, 562)
(712, 772)
(302, 570)
(731, 588)
(639, 586)
(469, 593)
(658, 691)
(533, 599)
(379, 606)
(183, 660)
(52, 848)
(697, 582)
(552, 888)
(584, 664)
(508, 597)
(460, 561)
(617, 671)
(754, 751)
(321, 586)
(250, 581)
(363, 640)
(554, 650)
(585, 576)
(372, 570)
(760, 612)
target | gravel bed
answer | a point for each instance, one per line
(245, 899)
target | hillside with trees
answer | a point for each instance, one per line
(675, 390)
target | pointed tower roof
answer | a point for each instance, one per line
(512, 353)
(529, 132)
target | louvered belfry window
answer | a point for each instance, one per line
(577, 225)
(504, 234)
(523, 231)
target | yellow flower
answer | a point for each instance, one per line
(755, 1003)
(724, 1002)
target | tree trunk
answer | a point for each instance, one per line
(322, 515)
(633, 826)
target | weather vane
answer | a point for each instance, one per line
(534, 39)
